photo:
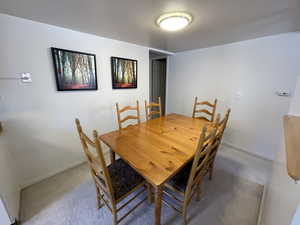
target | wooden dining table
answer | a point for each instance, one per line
(157, 149)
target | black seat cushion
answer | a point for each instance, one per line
(123, 178)
(180, 180)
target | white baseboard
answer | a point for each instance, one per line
(244, 151)
(52, 173)
(75, 163)
(56, 171)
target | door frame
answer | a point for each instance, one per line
(166, 57)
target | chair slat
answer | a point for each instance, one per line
(92, 159)
(153, 113)
(128, 108)
(173, 189)
(171, 206)
(106, 203)
(132, 209)
(101, 186)
(173, 196)
(211, 113)
(205, 103)
(149, 106)
(129, 118)
(134, 197)
(202, 118)
(86, 138)
(203, 111)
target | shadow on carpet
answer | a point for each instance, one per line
(226, 200)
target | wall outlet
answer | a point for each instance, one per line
(238, 96)
(283, 93)
(26, 78)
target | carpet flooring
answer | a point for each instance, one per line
(69, 199)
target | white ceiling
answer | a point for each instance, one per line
(215, 21)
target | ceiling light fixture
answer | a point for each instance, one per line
(174, 21)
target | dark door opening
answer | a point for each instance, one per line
(158, 79)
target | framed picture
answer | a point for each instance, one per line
(74, 71)
(124, 73)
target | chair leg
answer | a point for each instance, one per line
(158, 195)
(211, 170)
(114, 217)
(112, 156)
(198, 192)
(149, 193)
(99, 202)
(184, 216)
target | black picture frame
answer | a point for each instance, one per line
(59, 73)
(120, 85)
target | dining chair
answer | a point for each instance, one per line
(210, 113)
(150, 106)
(187, 182)
(221, 126)
(128, 117)
(115, 182)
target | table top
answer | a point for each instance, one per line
(157, 149)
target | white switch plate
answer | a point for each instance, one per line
(238, 95)
(283, 93)
(26, 78)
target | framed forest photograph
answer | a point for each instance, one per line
(124, 73)
(74, 71)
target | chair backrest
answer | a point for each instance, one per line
(221, 124)
(206, 143)
(150, 106)
(126, 108)
(210, 114)
(93, 152)
(220, 128)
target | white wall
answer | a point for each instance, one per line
(295, 104)
(243, 76)
(283, 195)
(39, 121)
(9, 181)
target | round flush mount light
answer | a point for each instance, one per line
(174, 21)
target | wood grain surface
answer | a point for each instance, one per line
(158, 148)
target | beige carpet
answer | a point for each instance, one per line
(69, 199)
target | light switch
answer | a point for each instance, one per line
(26, 78)
(238, 95)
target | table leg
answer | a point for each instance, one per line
(149, 193)
(158, 195)
(112, 156)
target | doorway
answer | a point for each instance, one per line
(158, 78)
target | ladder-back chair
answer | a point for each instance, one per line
(150, 106)
(113, 183)
(127, 108)
(185, 184)
(209, 113)
(128, 117)
(220, 125)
